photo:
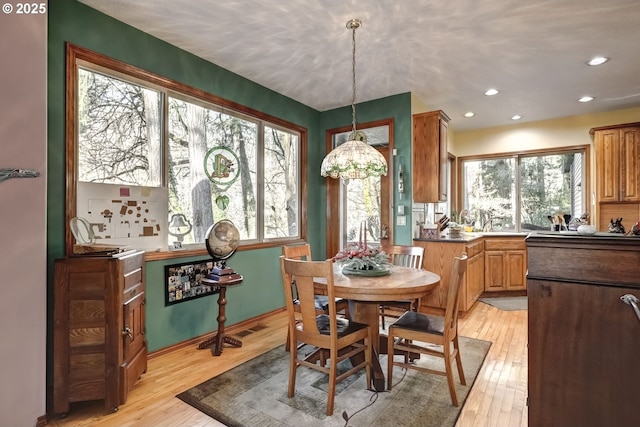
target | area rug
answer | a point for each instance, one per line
(255, 394)
(507, 303)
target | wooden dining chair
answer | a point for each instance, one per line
(341, 338)
(430, 329)
(406, 256)
(303, 252)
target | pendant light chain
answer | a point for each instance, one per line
(354, 26)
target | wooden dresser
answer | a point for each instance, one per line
(100, 349)
(584, 341)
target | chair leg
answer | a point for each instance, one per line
(333, 369)
(287, 345)
(449, 371)
(368, 360)
(382, 316)
(293, 365)
(456, 346)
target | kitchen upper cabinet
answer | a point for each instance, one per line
(630, 164)
(505, 264)
(617, 163)
(430, 157)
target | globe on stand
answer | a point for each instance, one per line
(222, 242)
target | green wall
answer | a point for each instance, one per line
(70, 21)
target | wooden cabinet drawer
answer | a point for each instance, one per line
(132, 291)
(501, 244)
(132, 279)
(474, 248)
(131, 262)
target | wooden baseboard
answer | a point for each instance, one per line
(236, 327)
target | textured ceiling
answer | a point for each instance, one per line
(446, 53)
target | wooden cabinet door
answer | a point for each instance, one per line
(516, 270)
(133, 332)
(495, 270)
(443, 167)
(630, 164)
(584, 347)
(474, 280)
(430, 157)
(607, 165)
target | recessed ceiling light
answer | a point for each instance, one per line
(586, 99)
(469, 114)
(491, 92)
(598, 60)
(516, 117)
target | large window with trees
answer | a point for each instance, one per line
(146, 149)
(525, 191)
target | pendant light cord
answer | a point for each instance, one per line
(353, 25)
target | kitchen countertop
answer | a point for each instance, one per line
(469, 237)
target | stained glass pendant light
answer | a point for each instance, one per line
(354, 159)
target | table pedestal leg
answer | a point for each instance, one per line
(368, 312)
(217, 342)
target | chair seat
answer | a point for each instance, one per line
(345, 326)
(420, 322)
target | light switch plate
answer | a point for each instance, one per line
(401, 220)
(400, 209)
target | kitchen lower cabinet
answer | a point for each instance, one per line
(99, 344)
(584, 340)
(438, 258)
(505, 264)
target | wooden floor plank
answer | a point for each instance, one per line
(498, 397)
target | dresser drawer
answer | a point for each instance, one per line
(132, 262)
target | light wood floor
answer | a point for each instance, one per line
(498, 397)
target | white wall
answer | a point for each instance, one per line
(23, 309)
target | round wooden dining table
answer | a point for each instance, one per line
(365, 293)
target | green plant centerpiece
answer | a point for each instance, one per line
(363, 260)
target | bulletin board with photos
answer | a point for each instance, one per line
(184, 281)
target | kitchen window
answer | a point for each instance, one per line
(145, 152)
(524, 192)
